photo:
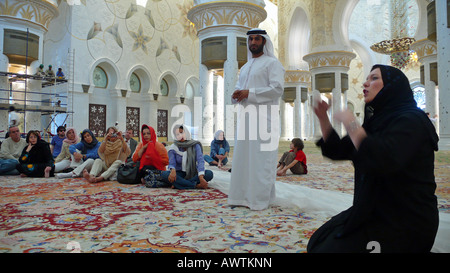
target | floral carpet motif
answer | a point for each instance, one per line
(44, 215)
(48, 215)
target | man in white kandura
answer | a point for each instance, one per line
(258, 93)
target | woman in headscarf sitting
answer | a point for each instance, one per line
(84, 153)
(113, 152)
(65, 160)
(150, 153)
(36, 159)
(394, 205)
(186, 163)
(220, 148)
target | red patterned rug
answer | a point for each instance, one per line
(51, 215)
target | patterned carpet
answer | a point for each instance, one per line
(51, 215)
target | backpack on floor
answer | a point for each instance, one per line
(128, 173)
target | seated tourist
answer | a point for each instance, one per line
(36, 159)
(113, 152)
(10, 152)
(150, 153)
(294, 160)
(65, 160)
(186, 163)
(84, 153)
(220, 148)
(57, 141)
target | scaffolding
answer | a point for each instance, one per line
(47, 99)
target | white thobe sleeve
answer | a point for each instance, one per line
(275, 77)
(239, 84)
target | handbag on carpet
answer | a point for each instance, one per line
(152, 179)
(128, 173)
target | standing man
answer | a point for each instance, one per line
(10, 152)
(14, 118)
(258, 93)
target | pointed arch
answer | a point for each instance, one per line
(298, 39)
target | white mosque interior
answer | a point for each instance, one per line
(134, 62)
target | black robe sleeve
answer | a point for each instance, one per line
(336, 148)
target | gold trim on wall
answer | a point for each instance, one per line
(36, 11)
(226, 13)
(329, 59)
(424, 48)
(297, 76)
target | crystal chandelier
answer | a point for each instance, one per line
(399, 46)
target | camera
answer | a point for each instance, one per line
(114, 135)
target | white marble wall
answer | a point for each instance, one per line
(122, 38)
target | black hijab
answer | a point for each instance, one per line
(394, 99)
(88, 146)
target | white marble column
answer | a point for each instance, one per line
(230, 73)
(82, 120)
(298, 113)
(330, 62)
(33, 101)
(336, 105)
(206, 133)
(283, 121)
(152, 117)
(220, 104)
(298, 79)
(316, 131)
(289, 110)
(431, 93)
(4, 94)
(120, 110)
(443, 57)
(427, 54)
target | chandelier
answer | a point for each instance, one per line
(392, 46)
(398, 49)
(399, 46)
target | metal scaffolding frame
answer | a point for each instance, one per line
(50, 102)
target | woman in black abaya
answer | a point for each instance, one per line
(36, 159)
(393, 154)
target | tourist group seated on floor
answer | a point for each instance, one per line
(179, 166)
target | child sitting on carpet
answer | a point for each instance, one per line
(294, 160)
